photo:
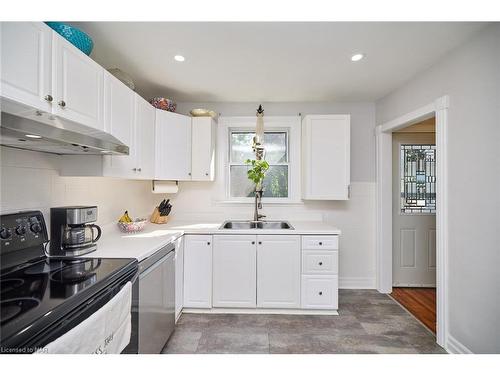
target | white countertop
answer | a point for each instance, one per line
(115, 244)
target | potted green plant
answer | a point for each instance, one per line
(257, 172)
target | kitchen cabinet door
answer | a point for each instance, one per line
(326, 157)
(203, 146)
(26, 64)
(77, 81)
(234, 271)
(173, 146)
(145, 138)
(119, 121)
(179, 276)
(198, 271)
(119, 104)
(278, 271)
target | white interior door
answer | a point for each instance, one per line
(414, 219)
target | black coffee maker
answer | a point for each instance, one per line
(72, 230)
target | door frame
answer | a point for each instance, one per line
(439, 109)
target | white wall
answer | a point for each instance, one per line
(30, 180)
(470, 75)
(356, 217)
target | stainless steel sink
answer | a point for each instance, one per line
(256, 225)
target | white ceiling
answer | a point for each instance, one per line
(272, 62)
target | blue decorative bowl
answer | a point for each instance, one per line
(75, 36)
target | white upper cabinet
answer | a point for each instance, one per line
(77, 82)
(145, 118)
(234, 271)
(173, 146)
(140, 116)
(26, 49)
(326, 157)
(119, 103)
(203, 146)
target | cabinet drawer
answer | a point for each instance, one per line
(320, 242)
(320, 262)
(319, 292)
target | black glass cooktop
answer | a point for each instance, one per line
(33, 291)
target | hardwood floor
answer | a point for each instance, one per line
(420, 302)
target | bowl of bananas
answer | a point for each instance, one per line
(127, 225)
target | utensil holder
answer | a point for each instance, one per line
(156, 218)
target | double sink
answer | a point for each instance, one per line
(256, 225)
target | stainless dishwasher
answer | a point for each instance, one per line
(156, 300)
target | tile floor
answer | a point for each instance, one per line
(368, 322)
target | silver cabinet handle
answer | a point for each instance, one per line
(134, 169)
(49, 98)
(206, 174)
(260, 242)
(208, 243)
(62, 103)
(320, 293)
(189, 174)
(253, 242)
(320, 263)
(139, 169)
(321, 243)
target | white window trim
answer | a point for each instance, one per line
(290, 124)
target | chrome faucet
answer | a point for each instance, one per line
(258, 206)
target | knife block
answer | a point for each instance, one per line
(156, 218)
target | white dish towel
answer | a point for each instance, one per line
(107, 331)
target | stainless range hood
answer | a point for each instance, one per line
(39, 131)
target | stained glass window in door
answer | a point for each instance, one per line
(418, 179)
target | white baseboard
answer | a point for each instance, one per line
(454, 346)
(357, 283)
(227, 310)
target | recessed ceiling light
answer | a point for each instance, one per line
(179, 58)
(357, 57)
(32, 136)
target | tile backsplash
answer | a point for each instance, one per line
(30, 181)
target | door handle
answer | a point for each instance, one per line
(62, 103)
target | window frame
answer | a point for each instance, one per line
(290, 124)
(230, 163)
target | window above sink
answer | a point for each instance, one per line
(282, 143)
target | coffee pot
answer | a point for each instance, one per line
(73, 231)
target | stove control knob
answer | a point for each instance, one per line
(35, 228)
(20, 230)
(5, 233)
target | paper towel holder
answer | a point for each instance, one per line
(154, 190)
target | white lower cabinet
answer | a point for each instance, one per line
(320, 292)
(278, 271)
(260, 271)
(198, 271)
(320, 267)
(179, 276)
(234, 266)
